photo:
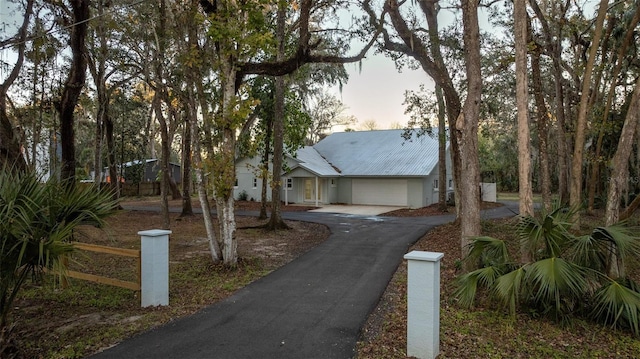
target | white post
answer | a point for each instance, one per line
(154, 267)
(423, 304)
(286, 191)
(316, 191)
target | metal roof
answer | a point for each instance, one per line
(379, 153)
(309, 159)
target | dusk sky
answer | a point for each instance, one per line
(376, 90)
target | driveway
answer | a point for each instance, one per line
(312, 307)
(358, 210)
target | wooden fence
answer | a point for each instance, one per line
(134, 253)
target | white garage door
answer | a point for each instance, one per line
(388, 192)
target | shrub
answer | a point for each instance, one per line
(37, 220)
(566, 277)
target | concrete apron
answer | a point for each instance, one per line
(357, 210)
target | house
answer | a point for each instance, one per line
(148, 171)
(367, 167)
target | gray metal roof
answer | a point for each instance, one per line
(309, 159)
(379, 153)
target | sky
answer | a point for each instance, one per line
(375, 90)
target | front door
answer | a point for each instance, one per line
(310, 190)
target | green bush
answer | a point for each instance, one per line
(37, 220)
(566, 277)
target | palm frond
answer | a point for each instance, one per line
(36, 222)
(488, 251)
(555, 280)
(617, 305)
(547, 233)
(586, 251)
(507, 288)
(626, 243)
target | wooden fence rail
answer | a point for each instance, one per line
(134, 253)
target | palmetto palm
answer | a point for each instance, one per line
(567, 274)
(36, 223)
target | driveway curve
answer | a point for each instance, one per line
(312, 307)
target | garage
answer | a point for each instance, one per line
(385, 192)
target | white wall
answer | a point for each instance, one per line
(489, 193)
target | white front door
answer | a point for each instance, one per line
(310, 190)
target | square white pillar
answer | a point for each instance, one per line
(423, 304)
(154, 267)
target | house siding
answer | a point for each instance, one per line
(344, 191)
(416, 192)
(246, 171)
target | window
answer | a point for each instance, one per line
(435, 184)
(255, 182)
(289, 183)
(450, 184)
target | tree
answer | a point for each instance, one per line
(327, 112)
(466, 129)
(620, 57)
(522, 100)
(581, 124)
(10, 155)
(276, 221)
(72, 88)
(237, 29)
(408, 41)
(620, 175)
(369, 125)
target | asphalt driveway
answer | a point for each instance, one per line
(312, 307)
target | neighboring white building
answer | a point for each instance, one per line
(364, 167)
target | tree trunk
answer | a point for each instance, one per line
(563, 167)
(264, 171)
(622, 50)
(192, 123)
(620, 175)
(442, 151)
(543, 131)
(466, 130)
(522, 104)
(631, 208)
(72, 89)
(276, 222)
(10, 152)
(111, 153)
(164, 184)
(434, 39)
(187, 140)
(575, 198)
(224, 168)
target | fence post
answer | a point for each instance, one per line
(423, 304)
(154, 267)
